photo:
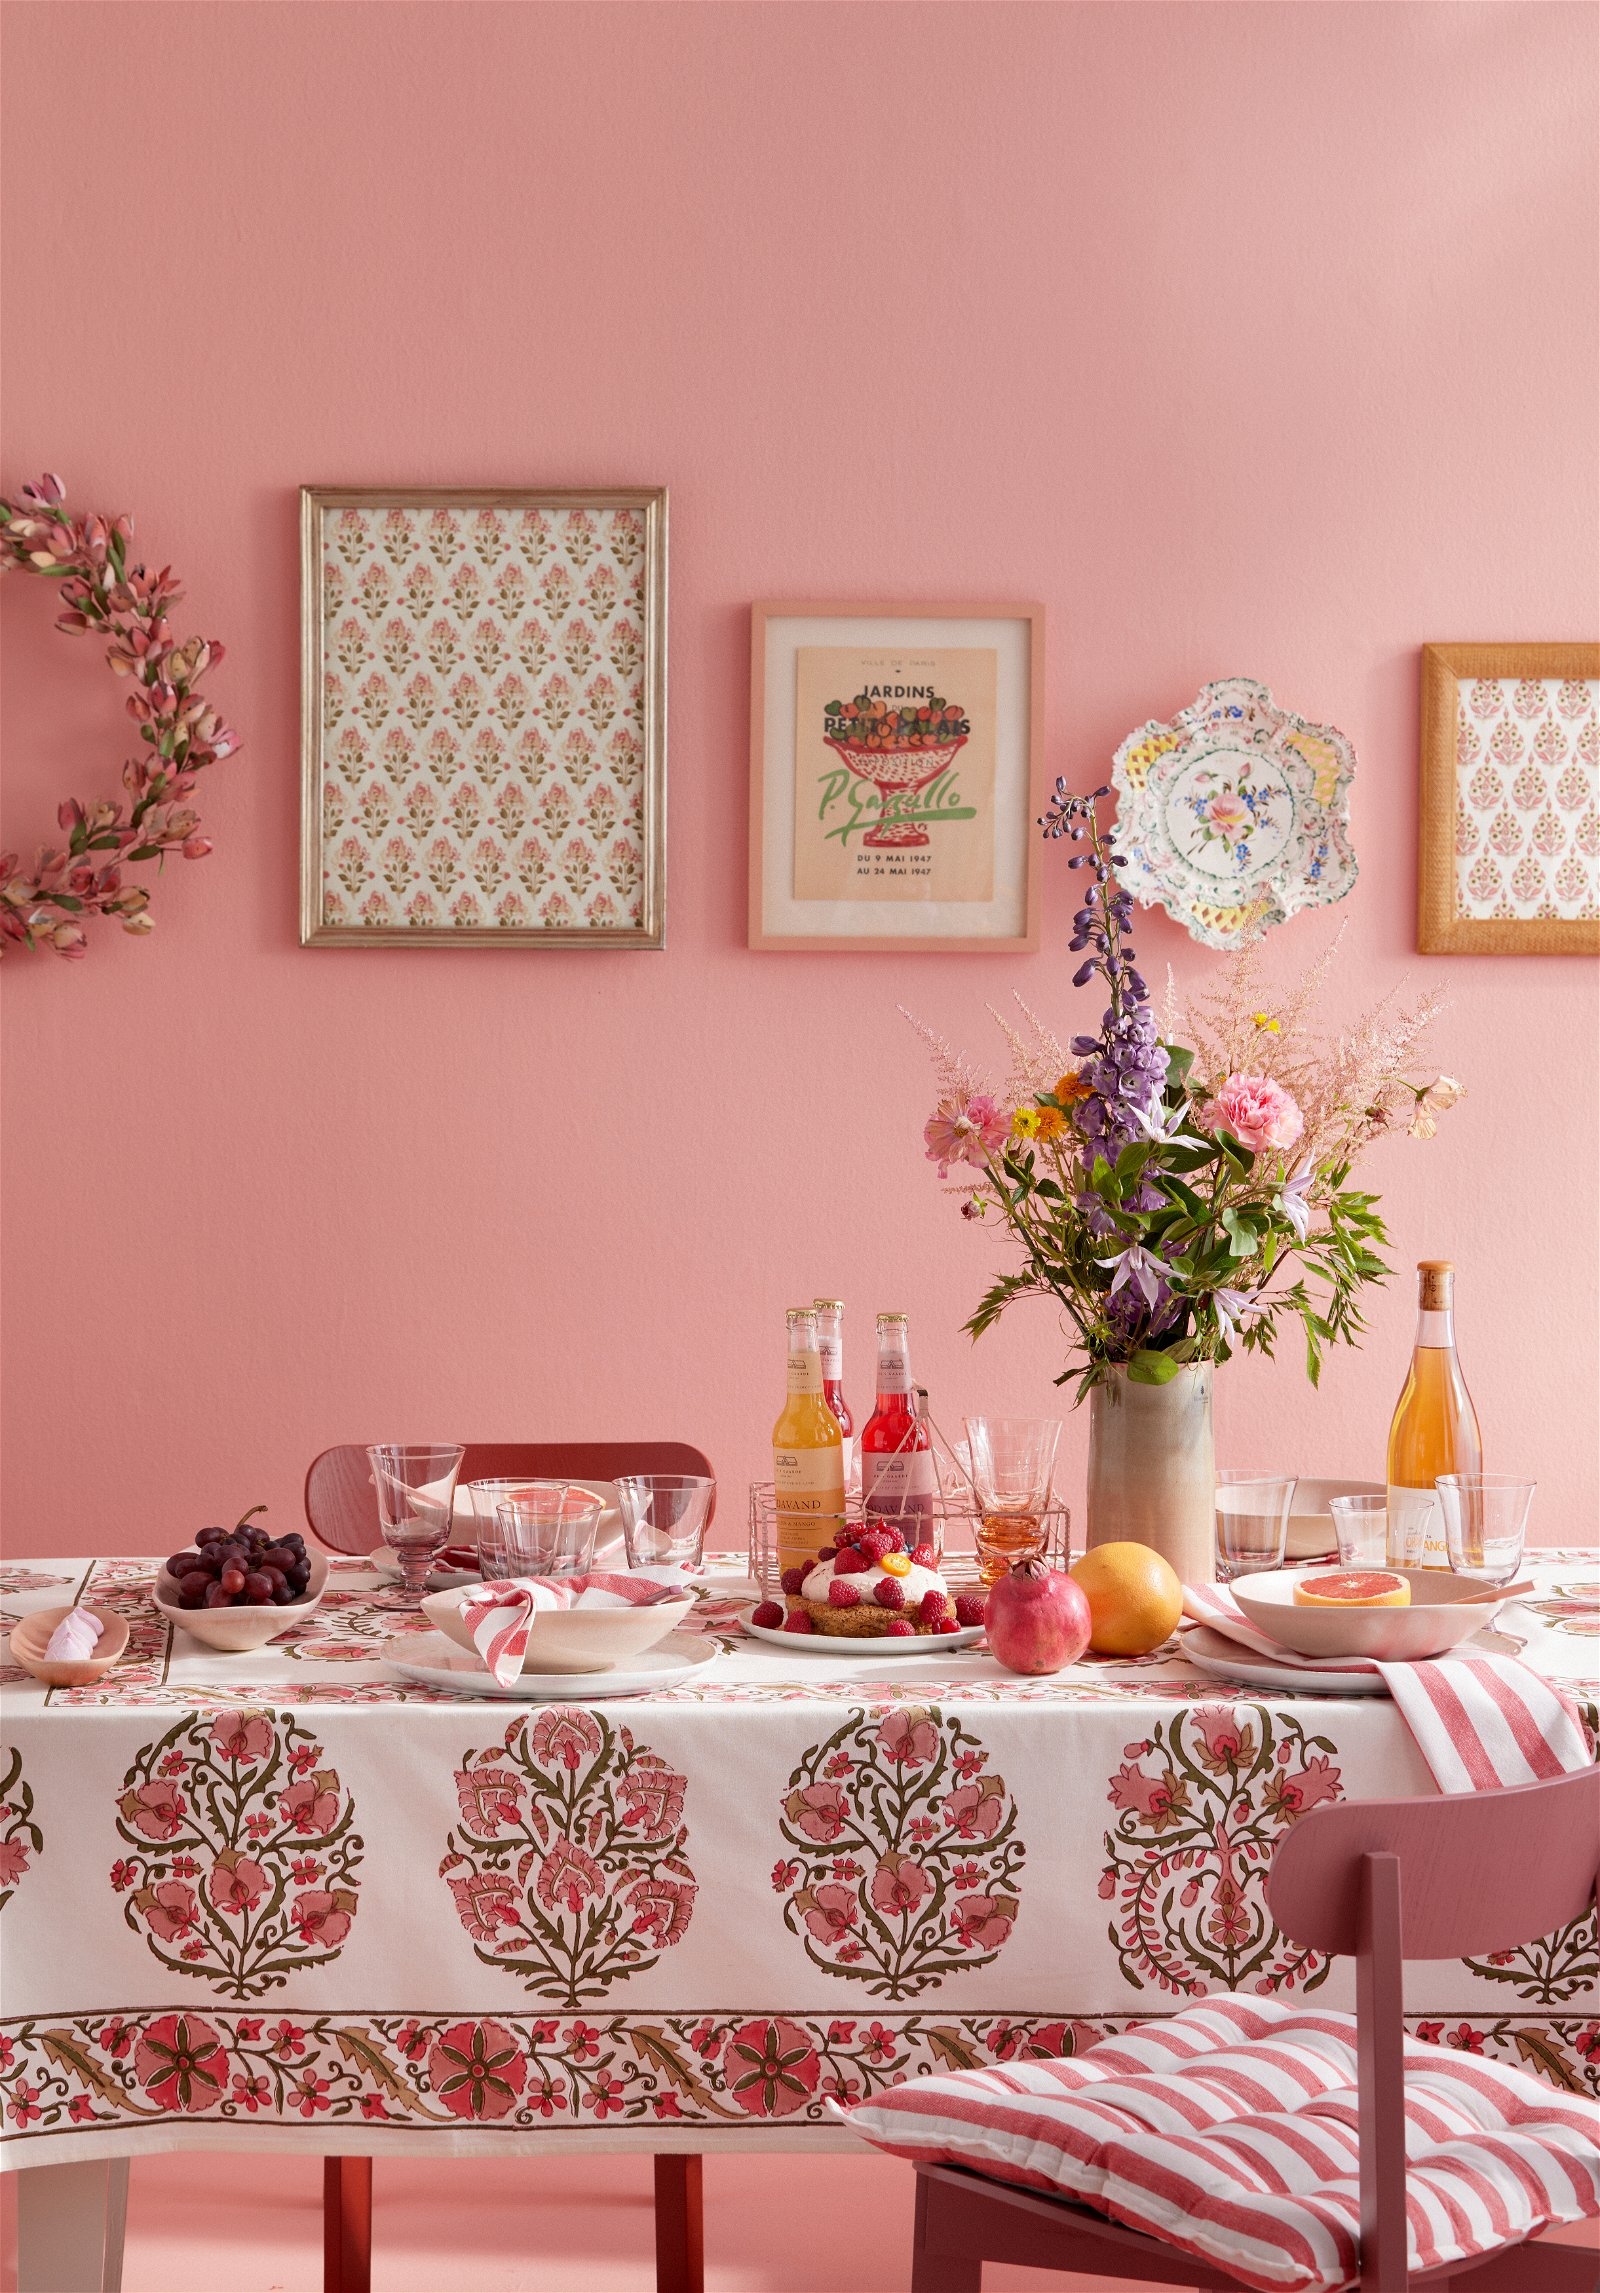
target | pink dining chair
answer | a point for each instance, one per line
(1379, 1881)
(342, 1512)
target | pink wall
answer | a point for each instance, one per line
(1250, 339)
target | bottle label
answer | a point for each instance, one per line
(805, 1373)
(809, 1481)
(831, 1352)
(899, 1482)
(1416, 1528)
(894, 1373)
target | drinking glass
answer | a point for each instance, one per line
(416, 1485)
(664, 1517)
(1361, 1526)
(547, 1529)
(484, 1499)
(1013, 1461)
(1485, 1521)
(1252, 1520)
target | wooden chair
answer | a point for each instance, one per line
(342, 1513)
(1380, 1881)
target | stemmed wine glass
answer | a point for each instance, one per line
(416, 1485)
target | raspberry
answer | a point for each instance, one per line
(947, 1624)
(889, 1592)
(898, 1630)
(793, 1578)
(893, 1541)
(875, 1544)
(933, 1607)
(850, 1563)
(925, 1557)
(842, 1595)
(769, 1614)
(970, 1608)
(798, 1621)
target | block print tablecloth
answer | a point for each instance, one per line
(288, 1899)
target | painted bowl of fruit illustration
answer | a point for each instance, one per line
(900, 750)
(236, 1589)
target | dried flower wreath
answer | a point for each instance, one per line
(182, 733)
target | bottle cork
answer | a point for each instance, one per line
(1434, 1279)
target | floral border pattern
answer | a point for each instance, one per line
(20, 1837)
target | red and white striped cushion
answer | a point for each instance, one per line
(1229, 2131)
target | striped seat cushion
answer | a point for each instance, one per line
(1229, 2131)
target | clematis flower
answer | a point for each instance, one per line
(1136, 1265)
(1228, 1305)
(1292, 1200)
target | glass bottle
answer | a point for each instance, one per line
(830, 1344)
(807, 1452)
(898, 1484)
(1435, 1428)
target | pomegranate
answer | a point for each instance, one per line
(1037, 1621)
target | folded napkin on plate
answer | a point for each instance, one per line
(498, 1615)
(1479, 1720)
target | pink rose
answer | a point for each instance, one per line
(1259, 1113)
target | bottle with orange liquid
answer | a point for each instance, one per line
(1435, 1428)
(807, 1452)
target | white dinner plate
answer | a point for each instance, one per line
(1224, 1659)
(835, 1644)
(438, 1663)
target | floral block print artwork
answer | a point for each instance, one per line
(905, 1856)
(243, 1862)
(568, 1867)
(1201, 1804)
(1527, 828)
(483, 725)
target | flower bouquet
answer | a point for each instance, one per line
(1179, 1198)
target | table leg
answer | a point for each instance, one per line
(70, 2224)
(680, 2225)
(347, 2225)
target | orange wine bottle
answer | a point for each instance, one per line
(1435, 1428)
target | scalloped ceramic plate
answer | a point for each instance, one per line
(1236, 814)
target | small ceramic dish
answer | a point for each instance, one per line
(235, 1631)
(570, 1639)
(31, 1637)
(1443, 1613)
(1310, 1522)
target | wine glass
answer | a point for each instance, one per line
(416, 1485)
(1013, 1464)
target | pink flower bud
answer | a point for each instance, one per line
(196, 847)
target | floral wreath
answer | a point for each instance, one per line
(100, 590)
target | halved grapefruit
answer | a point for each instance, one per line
(1353, 1588)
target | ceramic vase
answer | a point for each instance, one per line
(1152, 1468)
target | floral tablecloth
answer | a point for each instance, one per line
(289, 1899)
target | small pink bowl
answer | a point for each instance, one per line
(31, 1637)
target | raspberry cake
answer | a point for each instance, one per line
(866, 1586)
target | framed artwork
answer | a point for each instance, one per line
(1509, 849)
(483, 717)
(895, 776)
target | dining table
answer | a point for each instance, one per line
(305, 1901)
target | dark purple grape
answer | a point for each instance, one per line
(299, 1578)
(232, 1581)
(181, 1563)
(257, 1588)
(283, 1596)
(193, 1586)
(216, 1597)
(278, 1557)
(274, 1575)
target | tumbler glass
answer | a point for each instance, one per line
(484, 1498)
(1013, 1463)
(1485, 1522)
(1361, 1527)
(416, 1485)
(548, 1529)
(664, 1517)
(1252, 1520)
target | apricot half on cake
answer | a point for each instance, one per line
(1353, 1588)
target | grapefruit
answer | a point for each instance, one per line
(1353, 1588)
(1135, 1599)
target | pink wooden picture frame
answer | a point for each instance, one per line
(1008, 923)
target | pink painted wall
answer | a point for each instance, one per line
(1250, 339)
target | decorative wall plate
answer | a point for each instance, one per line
(1235, 814)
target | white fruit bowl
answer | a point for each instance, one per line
(569, 1639)
(234, 1631)
(1441, 1615)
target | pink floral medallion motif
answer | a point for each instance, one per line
(906, 1856)
(568, 1866)
(1202, 1802)
(20, 1837)
(243, 1861)
(1543, 734)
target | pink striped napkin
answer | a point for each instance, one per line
(1480, 1721)
(500, 1614)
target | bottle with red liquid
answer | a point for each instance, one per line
(830, 1344)
(898, 1483)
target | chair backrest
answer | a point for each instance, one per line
(1455, 1877)
(342, 1511)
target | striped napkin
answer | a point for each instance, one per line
(1480, 1721)
(499, 1615)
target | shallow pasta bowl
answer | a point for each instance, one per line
(569, 1639)
(235, 1631)
(1444, 1611)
